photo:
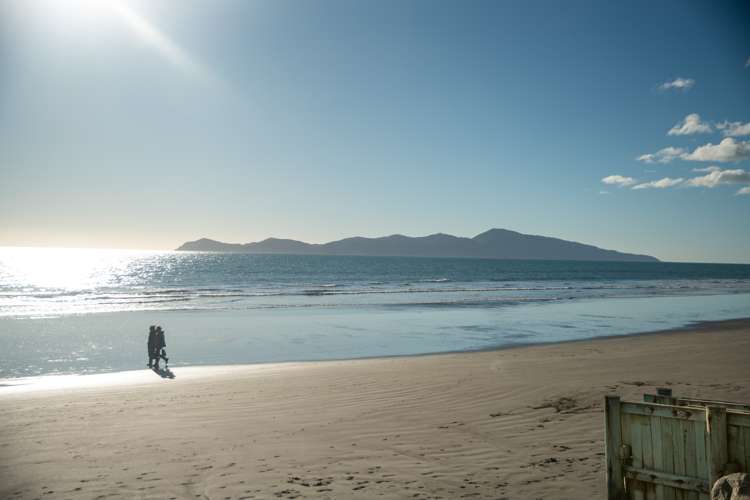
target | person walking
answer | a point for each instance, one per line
(150, 345)
(159, 345)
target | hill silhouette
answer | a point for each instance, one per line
(492, 244)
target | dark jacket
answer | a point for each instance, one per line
(159, 342)
(151, 342)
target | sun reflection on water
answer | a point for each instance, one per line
(68, 268)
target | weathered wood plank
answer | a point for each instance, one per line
(738, 418)
(735, 445)
(671, 480)
(729, 405)
(656, 440)
(667, 411)
(668, 454)
(740, 455)
(678, 451)
(648, 453)
(691, 466)
(701, 456)
(636, 490)
(613, 439)
(696, 402)
(716, 427)
(626, 451)
(627, 443)
(701, 461)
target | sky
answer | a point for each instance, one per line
(144, 124)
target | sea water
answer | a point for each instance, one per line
(87, 311)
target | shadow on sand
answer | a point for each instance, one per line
(163, 372)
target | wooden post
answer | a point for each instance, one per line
(716, 437)
(665, 393)
(613, 440)
(663, 396)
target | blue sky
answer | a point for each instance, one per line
(144, 124)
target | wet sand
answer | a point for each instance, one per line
(514, 423)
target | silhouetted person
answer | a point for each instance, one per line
(159, 345)
(151, 345)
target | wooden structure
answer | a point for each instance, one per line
(668, 448)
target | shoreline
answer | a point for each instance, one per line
(111, 342)
(73, 381)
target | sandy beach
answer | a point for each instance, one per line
(516, 423)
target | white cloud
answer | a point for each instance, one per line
(734, 129)
(678, 84)
(692, 124)
(717, 176)
(663, 155)
(727, 150)
(660, 184)
(619, 180)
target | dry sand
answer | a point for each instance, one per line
(518, 423)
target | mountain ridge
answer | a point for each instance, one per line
(494, 243)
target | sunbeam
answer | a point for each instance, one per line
(155, 39)
(72, 17)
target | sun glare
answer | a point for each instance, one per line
(78, 14)
(61, 268)
(85, 19)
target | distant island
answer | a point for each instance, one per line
(492, 244)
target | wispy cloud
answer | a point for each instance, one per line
(717, 176)
(664, 183)
(678, 84)
(734, 129)
(728, 150)
(662, 156)
(619, 180)
(691, 124)
(707, 169)
(747, 65)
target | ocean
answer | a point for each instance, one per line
(88, 311)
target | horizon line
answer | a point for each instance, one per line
(153, 250)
